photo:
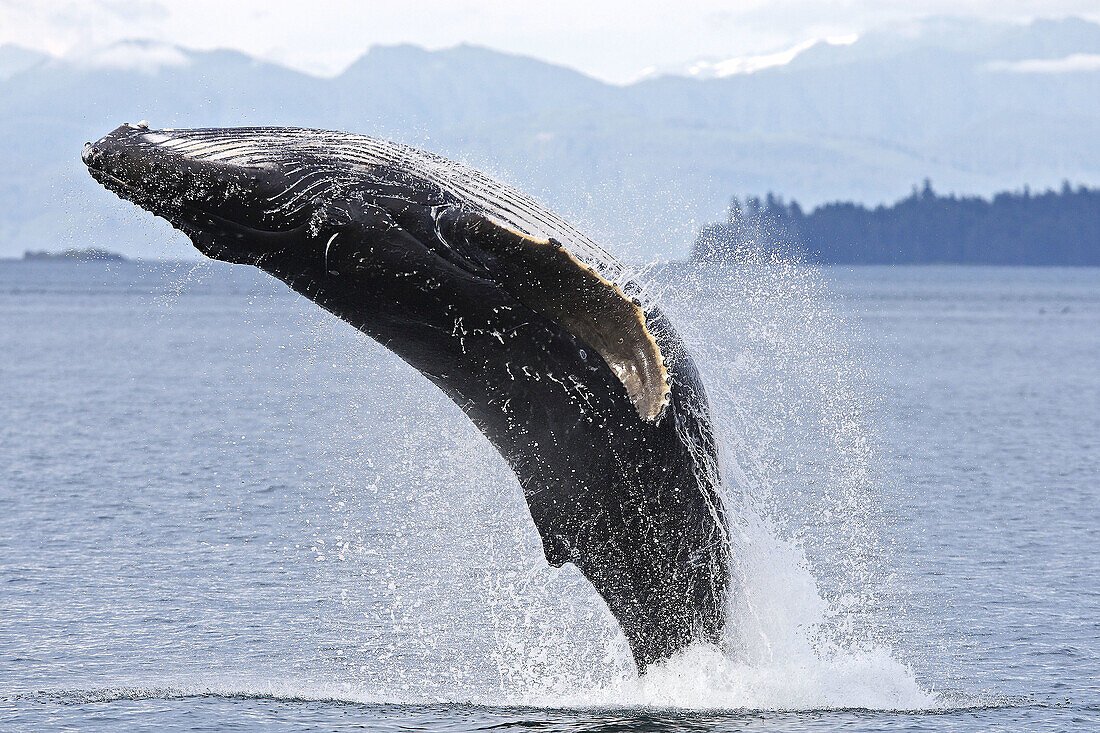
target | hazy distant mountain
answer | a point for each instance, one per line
(976, 107)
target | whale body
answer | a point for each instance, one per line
(527, 324)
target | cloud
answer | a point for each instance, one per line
(136, 10)
(1069, 64)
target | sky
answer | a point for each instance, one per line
(613, 40)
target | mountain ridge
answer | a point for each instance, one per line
(640, 166)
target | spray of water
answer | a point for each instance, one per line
(444, 593)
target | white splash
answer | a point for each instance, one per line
(464, 608)
(778, 656)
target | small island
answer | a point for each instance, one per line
(90, 254)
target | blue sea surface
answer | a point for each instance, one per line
(223, 509)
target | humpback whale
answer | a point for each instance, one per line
(531, 327)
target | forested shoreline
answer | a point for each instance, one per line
(1012, 228)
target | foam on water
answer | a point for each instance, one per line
(778, 655)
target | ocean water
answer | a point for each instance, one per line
(222, 509)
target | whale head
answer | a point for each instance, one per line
(236, 193)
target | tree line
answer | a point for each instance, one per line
(1013, 228)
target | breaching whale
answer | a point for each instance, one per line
(527, 324)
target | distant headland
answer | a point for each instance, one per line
(80, 255)
(1052, 228)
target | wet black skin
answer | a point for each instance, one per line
(632, 503)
